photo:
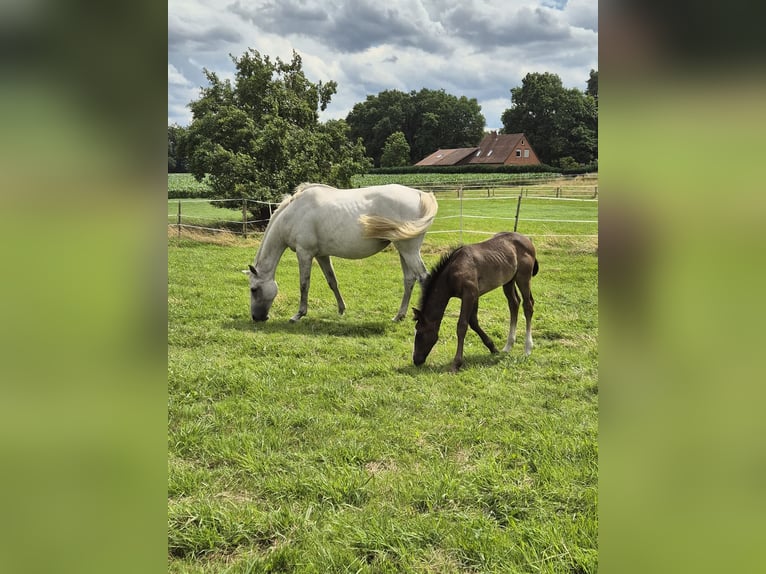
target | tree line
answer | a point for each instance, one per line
(259, 135)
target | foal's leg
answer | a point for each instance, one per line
(304, 266)
(329, 273)
(529, 308)
(413, 269)
(473, 322)
(513, 305)
(467, 307)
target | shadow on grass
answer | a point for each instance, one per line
(314, 326)
(471, 362)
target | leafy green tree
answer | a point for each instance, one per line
(559, 122)
(176, 156)
(396, 151)
(592, 89)
(260, 136)
(429, 119)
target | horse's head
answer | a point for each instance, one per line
(426, 335)
(263, 290)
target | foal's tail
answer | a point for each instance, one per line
(377, 227)
(536, 268)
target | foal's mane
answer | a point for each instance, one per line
(434, 274)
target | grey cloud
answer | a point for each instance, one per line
(523, 27)
(348, 27)
(187, 37)
(478, 49)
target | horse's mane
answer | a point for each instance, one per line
(286, 199)
(434, 274)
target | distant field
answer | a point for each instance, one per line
(185, 186)
(480, 215)
(479, 212)
(318, 447)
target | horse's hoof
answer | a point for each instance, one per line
(296, 318)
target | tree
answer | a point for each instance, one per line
(558, 122)
(260, 136)
(396, 151)
(429, 119)
(176, 155)
(592, 89)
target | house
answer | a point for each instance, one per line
(494, 149)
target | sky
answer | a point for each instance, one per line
(474, 48)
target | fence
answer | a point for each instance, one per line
(198, 217)
(506, 204)
(513, 212)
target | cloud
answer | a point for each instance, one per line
(176, 78)
(582, 14)
(199, 28)
(477, 48)
(348, 26)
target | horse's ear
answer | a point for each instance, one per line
(252, 270)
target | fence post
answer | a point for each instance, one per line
(244, 217)
(178, 222)
(460, 194)
(518, 207)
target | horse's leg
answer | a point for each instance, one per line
(513, 305)
(413, 269)
(304, 266)
(469, 302)
(524, 284)
(329, 273)
(473, 322)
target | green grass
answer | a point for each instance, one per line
(480, 214)
(319, 447)
(202, 212)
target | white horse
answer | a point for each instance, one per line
(319, 221)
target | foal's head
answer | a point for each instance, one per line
(426, 335)
(427, 330)
(262, 293)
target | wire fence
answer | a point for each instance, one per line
(521, 205)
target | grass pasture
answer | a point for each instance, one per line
(319, 447)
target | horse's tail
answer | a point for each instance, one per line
(536, 268)
(377, 227)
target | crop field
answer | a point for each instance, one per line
(318, 446)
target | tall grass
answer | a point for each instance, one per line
(319, 447)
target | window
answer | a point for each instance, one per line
(489, 153)
(518, 153)
(522, 142)
(478, 152)
(526, 153)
